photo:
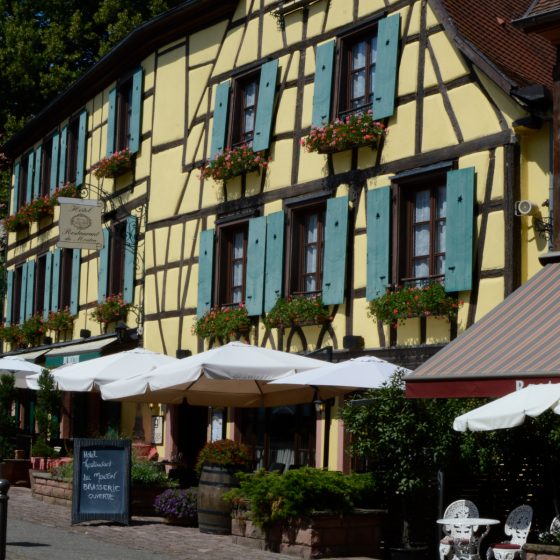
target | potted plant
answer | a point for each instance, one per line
(113, 165)
(359, 129)
(111, 310)
(178, 506)
(60, 321)
(217, 464)
(33, 329)
(323, 509)
(148, 480)
(297, 310)
(225, 323)
(232, 162)
(49, 401)
(429, 300)
(13, 335)
(406, 441)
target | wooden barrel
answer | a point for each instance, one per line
(214, 513)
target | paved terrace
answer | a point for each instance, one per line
(41, 531)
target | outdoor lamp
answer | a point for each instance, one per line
(121, 330)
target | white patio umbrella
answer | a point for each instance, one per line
(235, 374)
(20, 368)
(366, 372)
(511, 410)
(91, 374)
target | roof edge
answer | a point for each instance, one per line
(141, 41)
(469, 50)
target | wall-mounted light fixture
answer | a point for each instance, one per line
(122, 331)
(182, 353)
(85, 333)
(47, 340)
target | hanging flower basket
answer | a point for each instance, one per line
(233, 162)
(13, 335)
(354, 131)
(114, 165)
(226, 323)
(60, 321)
(39, 208)
(297, 310)
(430, 300)
(112, 310)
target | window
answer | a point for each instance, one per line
(72, 151)
(65, 284)
(16, 309)
(46, 167)
(357, 73)
(40, 281)
(25, 179)
(116, 258)
(307, 244)
(232, 264)
(124, 112)
(244, 110)
(424, 213)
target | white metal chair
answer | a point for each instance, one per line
(459, 508)
(517, 526)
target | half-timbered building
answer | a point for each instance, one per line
(237, 88)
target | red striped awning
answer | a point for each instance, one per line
(516, 343)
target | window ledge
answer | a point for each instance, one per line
(290, 6)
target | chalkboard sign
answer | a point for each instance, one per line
(101, 480)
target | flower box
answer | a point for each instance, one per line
(298, 311)
(354, 131)
(226, 323)
(233, 162)
(321, 535)
(404, 302)
(112, 310)
(113, 165)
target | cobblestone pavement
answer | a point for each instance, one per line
(37, 530)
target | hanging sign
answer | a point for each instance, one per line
(80, 224)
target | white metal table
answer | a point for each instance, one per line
(469, 534)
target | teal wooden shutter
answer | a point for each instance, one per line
(334, 258)
(265, 106)
(103, 276)
(54, 161)
(459, 230)
(112, 121)
(256, 248)
(29, 189)
(47, 288)
(23, 294)
(274, 267)
(75, 291)
(130, 259)
(30, 293)
(81, 154)
(386, 68)
(322, 92)
(15, 196)
(205, 271)
(55, 283)
(378, 241)
(219, 126)
(62, 165)
(9, 296)
(136, 112)
(37, 178)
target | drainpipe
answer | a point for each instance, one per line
(556, 154)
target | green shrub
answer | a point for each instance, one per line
(277, 497)
(148, 473)
(64, 471)
(42, 449)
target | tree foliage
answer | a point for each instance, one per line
(7, 421)
(45, 45)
